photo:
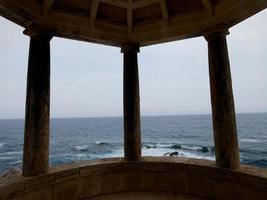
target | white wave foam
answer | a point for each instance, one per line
(198, 156)
(164, 145)
(181, 152)
(116, 153)
(160, 145)
(11, 153)
(69, 155)
(100, 142)
(249, 140)
(81, 147)
(173, 146)
(155, 151)
(7, 158)
(194, 148)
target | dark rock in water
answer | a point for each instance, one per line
(102, 143)
(150, 146)
(81, 148)
(205, 149)
(176, 146)
(173, 154)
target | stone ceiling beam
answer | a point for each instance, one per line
(130, 16)
(47, 4)
(140, 4)
(208, 4)
(93, 12)
(164, 11)
(118, 3)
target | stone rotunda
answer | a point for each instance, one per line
(130, 25)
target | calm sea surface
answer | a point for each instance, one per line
(93, 138)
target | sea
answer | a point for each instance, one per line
(74, 139)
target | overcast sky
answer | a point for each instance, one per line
(87, 78)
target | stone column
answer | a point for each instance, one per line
(36, 138)
(222, 101)
(131, 103)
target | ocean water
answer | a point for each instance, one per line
(94, 138)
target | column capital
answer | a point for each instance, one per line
(38, 32)
(130, 47)
(215, 31)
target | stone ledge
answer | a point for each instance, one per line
(144, 196)
(88, 179)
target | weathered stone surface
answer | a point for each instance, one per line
(45, 193)
(131, 103)
(222, 100)
(15, 198)
(200, 170)
(64, 167)
(113, 182)
(97, 178)
(106, 167)
(201, 186)
(134, 181)
(253, 182)
(132, 167)
(114, 168)
(91, 169)
(36, 138)
(11, 187)
(11, 195)
(254, 171)
(66, 174)
(220, 174)
(89, 186)
(13, 173)
(154, 166)
(200, 162)
(145, 196)
(176, 182)
(228, 191)
(253, 194)
(66, 190)
(34, 183)
(155, 181)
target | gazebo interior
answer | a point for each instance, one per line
(130, 25)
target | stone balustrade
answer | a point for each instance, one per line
(181, 176)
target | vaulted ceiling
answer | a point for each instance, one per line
(114, 22)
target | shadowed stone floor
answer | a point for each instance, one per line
(143, 196)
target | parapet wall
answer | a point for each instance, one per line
(198, 178)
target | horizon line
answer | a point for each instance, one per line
(159, 115)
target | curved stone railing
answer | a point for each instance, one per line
(198, 178)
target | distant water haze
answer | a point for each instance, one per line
(77, 139)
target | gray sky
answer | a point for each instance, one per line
(87, 78)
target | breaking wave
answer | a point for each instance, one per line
(203, 149)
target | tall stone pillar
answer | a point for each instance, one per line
(131, 103)
(37, 115)
(223, 109)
